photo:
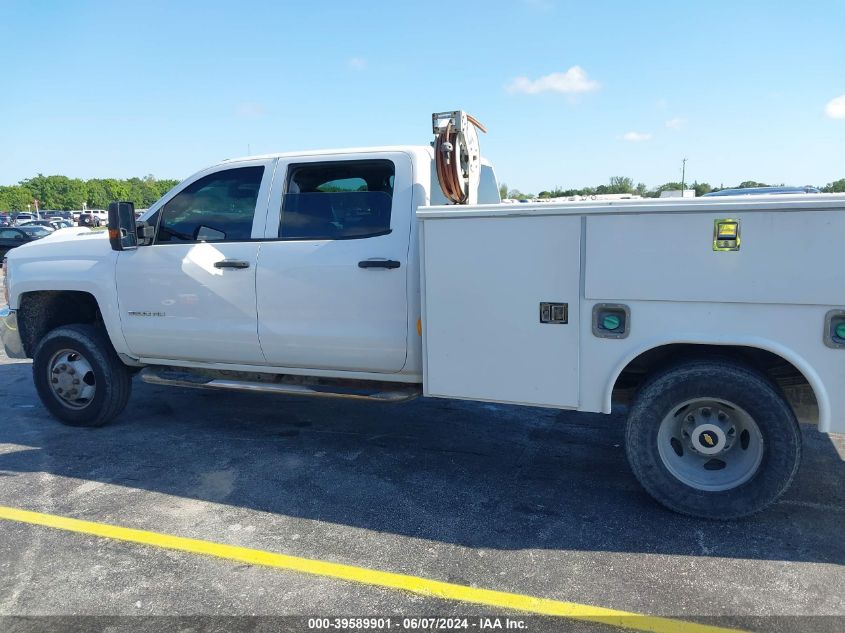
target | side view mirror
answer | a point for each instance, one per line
(123, 234)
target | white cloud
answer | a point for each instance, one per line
(250, 110)
(574, 80)
(675, 124)
(356, 63)
(636, 137)
(835, 108)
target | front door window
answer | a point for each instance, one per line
(217, 208)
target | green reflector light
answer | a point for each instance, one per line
(611, 322)
(840, 331)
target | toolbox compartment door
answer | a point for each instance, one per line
(484, 279)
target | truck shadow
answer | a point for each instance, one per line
(470, 474)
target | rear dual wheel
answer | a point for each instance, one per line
(713, 439)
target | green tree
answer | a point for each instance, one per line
(516, 194)
(15, 198)
(837, 186)
(701, 188)
(102, 191)
(503, 191)
(620, 184)
(57, 192)
(61, 192)
(745, 184)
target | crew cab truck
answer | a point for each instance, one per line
(342, 274)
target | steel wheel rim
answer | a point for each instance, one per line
(71, 379)
(710, 444)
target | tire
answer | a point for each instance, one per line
(679, 431)
(103, 382)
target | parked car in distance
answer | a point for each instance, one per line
(11, 236)
(21, 218)
(55, 224)
(36, 230)
(761, 191)
(94, 217)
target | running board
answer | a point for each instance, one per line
(281, 384)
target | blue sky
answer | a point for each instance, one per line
(572, 92)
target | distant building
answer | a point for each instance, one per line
(677, 193)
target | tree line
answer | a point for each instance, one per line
(623, 184)
(67, 194)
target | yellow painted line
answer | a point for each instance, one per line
(389, 580)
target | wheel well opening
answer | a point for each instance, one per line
(43, 311)
(792, 382)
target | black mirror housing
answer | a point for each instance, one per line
(123, 234)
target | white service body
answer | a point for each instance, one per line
(486, 268)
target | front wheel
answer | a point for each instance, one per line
(713, 439)
(79, 377)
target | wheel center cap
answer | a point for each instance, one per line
(708, 439)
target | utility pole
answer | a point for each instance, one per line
(683, 175)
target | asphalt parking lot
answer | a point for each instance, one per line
(531, 501)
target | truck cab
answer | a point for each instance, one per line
(304, 263)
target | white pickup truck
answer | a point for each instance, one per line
(344, 274)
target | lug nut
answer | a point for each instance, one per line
(71, 371)
(62, 367)
(59, 390)
(690, 418)
(55, 380)
(706, 412)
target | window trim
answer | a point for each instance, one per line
(289, 172)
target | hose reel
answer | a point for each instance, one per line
(457, 155)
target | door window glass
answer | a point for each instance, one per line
(216, 208)
(338, 200)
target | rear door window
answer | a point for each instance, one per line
(337, 200)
